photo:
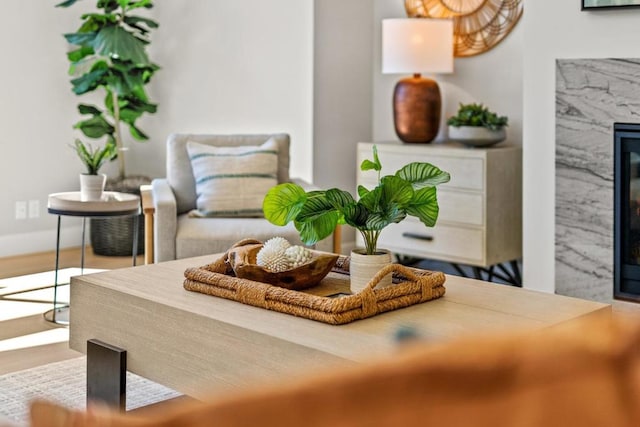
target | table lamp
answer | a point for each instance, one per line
(415, 45)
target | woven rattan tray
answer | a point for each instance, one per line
(329, 301)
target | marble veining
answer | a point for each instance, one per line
(591, 94)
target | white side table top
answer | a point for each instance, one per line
(111, 202)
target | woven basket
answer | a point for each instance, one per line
(114, 236)
(411, 286)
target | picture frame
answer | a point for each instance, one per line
(608, 4)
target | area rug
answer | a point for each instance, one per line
(65, 383)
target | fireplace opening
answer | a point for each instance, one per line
(626, 210)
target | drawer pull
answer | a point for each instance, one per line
(417, 236)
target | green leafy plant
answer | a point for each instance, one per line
(410, 191)
(110, 54)
(477, 115)
(94, 158)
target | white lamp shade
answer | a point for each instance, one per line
(416, 45)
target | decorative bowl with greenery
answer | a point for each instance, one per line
(477, 115)
(410, 191)
(476, 125)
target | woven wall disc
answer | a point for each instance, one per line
(478, 25)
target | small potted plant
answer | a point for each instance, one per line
(476, 125)
(91, 183)
(410, 191)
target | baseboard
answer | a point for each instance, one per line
(40, 241)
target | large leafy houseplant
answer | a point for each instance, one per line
(410, 191)
(110, 54)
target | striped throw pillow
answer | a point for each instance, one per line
(232, 181)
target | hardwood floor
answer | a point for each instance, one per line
(46, 261)
(26, 339)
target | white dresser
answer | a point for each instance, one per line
(480, 220)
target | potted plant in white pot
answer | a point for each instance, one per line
(410, 191)
(475, 125)
(109, 57)
(92, 183)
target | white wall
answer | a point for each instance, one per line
(493, 78)
(37, 109)
(343, 56)
(226, 68)
(557, 29)
(231, 68)
(342, 99)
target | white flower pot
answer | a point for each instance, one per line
(363, 267)
(92, 187)
(476, 136)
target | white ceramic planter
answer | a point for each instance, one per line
(476, 136)
(363, 267)
(92, 187)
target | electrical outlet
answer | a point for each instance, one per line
(21, 210)
(34, 208)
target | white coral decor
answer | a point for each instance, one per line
(277, 243)
(278, 255)
(297, 255)
(273, 259)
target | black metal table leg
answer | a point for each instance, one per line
(106, 374)
(84, 228)
(55, 280)
(56, 314)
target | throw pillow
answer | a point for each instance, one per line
(232, 181)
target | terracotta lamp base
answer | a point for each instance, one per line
(416, 109)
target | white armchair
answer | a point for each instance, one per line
(171, 233)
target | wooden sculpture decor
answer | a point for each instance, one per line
(478, 25)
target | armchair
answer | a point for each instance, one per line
(172, 233)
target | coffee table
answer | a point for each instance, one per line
(201, 345)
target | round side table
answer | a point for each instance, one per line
(112, 204)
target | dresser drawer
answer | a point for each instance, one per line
(441, 242)
(463, 208)
(455, 206)
(466, 172)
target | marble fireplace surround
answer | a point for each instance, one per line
(591, 94)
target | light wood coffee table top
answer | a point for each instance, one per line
(199, 344)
